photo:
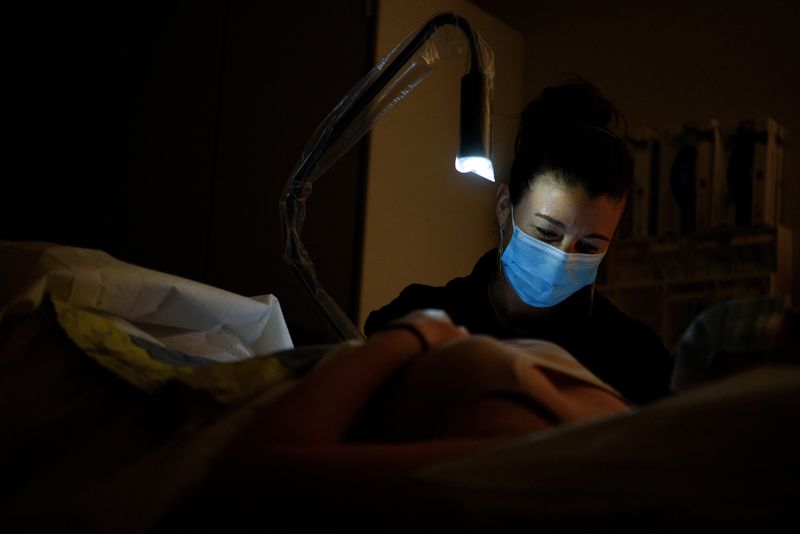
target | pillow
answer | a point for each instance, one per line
(722, 454)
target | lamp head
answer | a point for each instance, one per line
(474, 152)
(482, 166)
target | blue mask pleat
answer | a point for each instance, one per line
(543, 275)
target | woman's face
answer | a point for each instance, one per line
(563, 216)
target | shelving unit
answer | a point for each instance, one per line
(703, 224)
(666, 281)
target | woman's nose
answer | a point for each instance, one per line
(568, 244)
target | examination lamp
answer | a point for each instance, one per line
(474, 151)
(393, 78)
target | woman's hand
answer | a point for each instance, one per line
(434, 325)
(323, 406)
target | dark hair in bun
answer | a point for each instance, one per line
(565, 132)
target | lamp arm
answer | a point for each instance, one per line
(352, 107)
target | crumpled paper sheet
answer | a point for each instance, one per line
(180, 314)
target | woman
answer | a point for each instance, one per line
(557, 214)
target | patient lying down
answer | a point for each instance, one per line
(370, 414)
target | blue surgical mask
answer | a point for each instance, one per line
(543, 275)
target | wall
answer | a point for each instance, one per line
(164, 132)
(665, 63)
(285, 71)
(113, 115)
(425, 222)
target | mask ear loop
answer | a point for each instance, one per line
(496, 277)
(500, 249)
(500, 252)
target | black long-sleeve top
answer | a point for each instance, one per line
(623, 352)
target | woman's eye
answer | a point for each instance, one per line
(546, 234)
(586, 248)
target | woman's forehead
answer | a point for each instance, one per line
(569, 204)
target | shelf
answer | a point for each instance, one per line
(666, 281)
(672, 282)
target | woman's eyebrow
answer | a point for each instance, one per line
(556, 222)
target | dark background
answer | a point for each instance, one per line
(163, 132)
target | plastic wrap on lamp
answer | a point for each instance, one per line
(391, 80)
(474, 151)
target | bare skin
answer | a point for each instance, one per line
(302, 434)
(305, 428)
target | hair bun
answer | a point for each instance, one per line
(574, 102)
(566, 133)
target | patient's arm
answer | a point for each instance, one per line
(467, 393)
(302, 431)
(322, 407)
